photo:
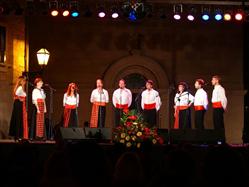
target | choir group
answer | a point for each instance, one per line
(121, 99)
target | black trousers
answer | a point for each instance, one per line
(73, 120)
(185, 118)
(218, 119)
(101, 116)
(118, 115)
(150, 117)
(199, 119)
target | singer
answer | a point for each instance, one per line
(121, 100)
(150, 103)
(200, 104)
(71, 103)
(19, 123)
(99, 99)
(183, 101)
(39, 109)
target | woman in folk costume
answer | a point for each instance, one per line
(19, 123)
(183, 101)
(71, 103)
(99, 99)
(38, 130)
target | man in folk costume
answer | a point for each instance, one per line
(19, 122)
(219, 102)
(183, 101)
(121, 100)
(150, 103)
(38, 99)
(99, 99)
(200, 104)
(71, 103)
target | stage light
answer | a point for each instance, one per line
(191, 14)
(53, 6)
(65, 13)
(65, 9)
(177, 11)
(114, 12)
(190, 17)
(205, 13)
(227, 17)
(218, 15)
(101, 12)
(238, 16)
(132, 16)
(74, 9)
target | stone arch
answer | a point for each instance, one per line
(147, 67)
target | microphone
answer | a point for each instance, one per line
(48, 85)
(29, 83)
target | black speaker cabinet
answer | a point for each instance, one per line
(72, 133)
(98, 133)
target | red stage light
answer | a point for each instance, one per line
(238, 16)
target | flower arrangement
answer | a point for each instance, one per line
(132, 132)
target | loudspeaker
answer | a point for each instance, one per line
(205, 136)
(99, 134)
(72, 133)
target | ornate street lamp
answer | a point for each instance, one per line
(43, 57)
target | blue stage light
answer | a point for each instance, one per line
(132, 16)
(75, 14)
(205, 17)
(218, 17)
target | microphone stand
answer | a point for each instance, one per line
(50, 129)
(138, 105)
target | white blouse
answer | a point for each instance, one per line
(201, 98)
(183, 99)
(38, 94)
(99, 96)
(150, 97)
(20, 92)
(71, 100)
(219, 95)
(122, 97)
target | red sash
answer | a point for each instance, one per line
(217, 105)
(199, 107)
(40, 118)
(125, 106)
(149, 106)
(70, 106)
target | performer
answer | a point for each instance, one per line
(71, 103)
(38, 130)
(19, 123)
(150, 103)
(219, 102)
(121, 100)
(200, 103)
(99, 99)
(183, 100)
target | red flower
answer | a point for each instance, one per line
(132, 118)
(126, 110)
(160, 140)
(128, 123)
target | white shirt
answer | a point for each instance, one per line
(99, 96)
(183, 99)
(201, 98)
(150, 97)
(122, 97)
(219, 95)
(20, 92)
(38, 94)
(71, 100)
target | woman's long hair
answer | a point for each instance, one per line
(185, 86)
(69, 89)
(19, 83)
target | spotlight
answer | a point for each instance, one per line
(227, 17)
(218, 15)
(101, 13)
(191, 14)
(177, 12)
(205, 13)
(239, 16)
(53, 6)
(132, 15)
(74, 7)
(65, 9)
(114, 13)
